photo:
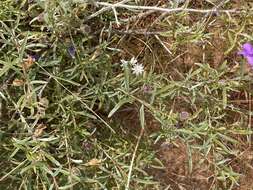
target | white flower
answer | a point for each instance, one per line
(133, 61)
(124, 63)
(138, 69)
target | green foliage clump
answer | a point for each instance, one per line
(74, 117)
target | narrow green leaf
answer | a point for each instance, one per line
(142, 116)
(118, 105)
(224, 98)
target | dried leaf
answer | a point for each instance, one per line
(39, 130)
(93, 162)
(18, 82)
(28, 63)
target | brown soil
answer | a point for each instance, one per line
(178, 173)
(244, 165)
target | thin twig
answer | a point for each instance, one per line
(132, 160)
(141, 15)
(250, 116)
(160, 9)
(43, 87)
(162, 43)
(216, 7)
(18, 166)
(136, 32)
(103, 10)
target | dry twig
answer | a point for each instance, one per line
(160, 9)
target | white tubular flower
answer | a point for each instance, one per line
(138, 69)
(124, 63)
(133, 61)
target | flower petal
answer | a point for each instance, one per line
(243, 53)
(248, 49)
(250, 60)
(138, 69)
(72, 51)
(133, 61)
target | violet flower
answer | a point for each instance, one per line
(72, 51)
(247, 52)
(147, 89)
(35, 57)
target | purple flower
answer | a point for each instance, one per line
(35, 57)
(147, 89)
(87, 146)
(247, 52)
(72, 51)
(184, 115)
